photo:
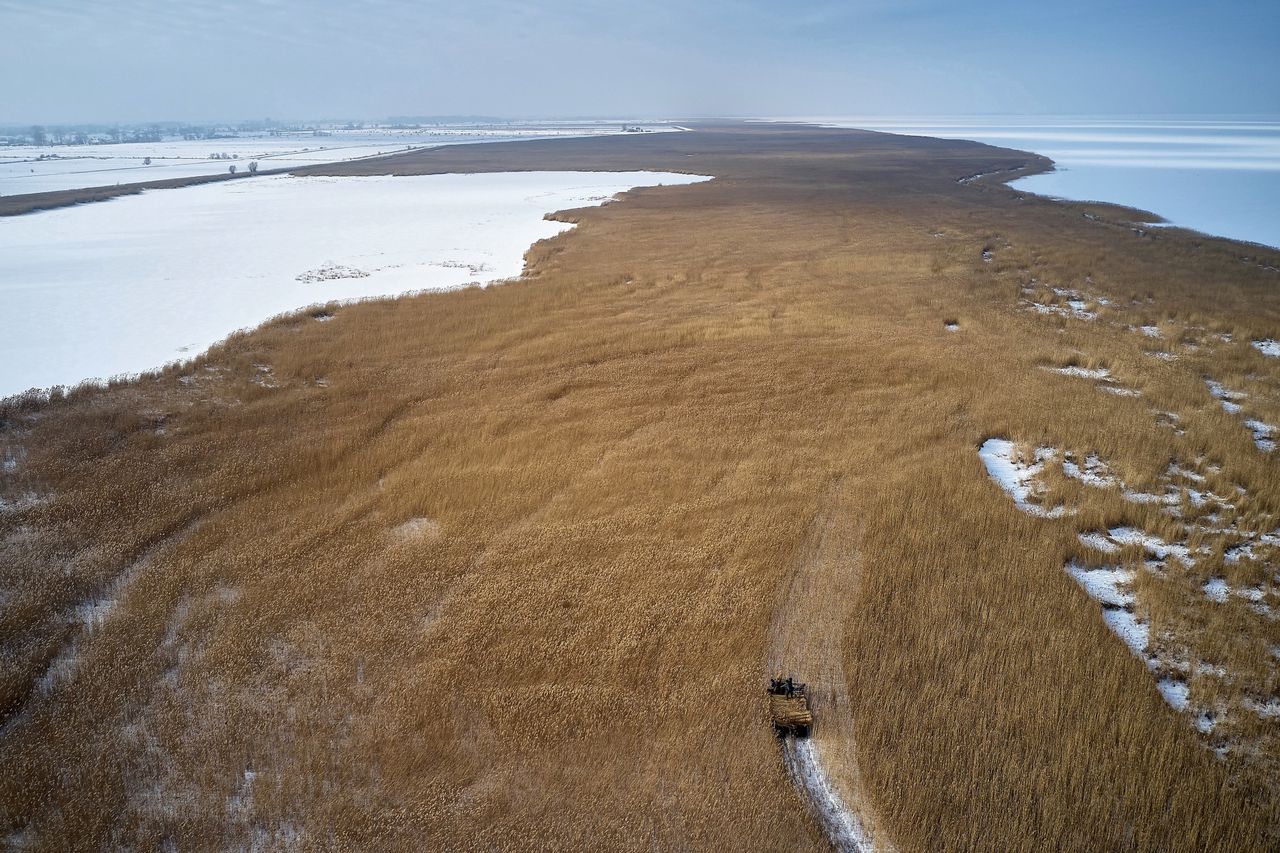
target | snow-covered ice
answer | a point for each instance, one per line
(45, 168)
(134, 283)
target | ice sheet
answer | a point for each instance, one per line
(131, 284)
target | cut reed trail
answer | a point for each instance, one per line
(508, 567)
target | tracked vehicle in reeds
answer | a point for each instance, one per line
(789, 707)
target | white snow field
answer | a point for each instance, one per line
(134, 283)
(46, 168)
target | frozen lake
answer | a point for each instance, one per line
(34, 169)
(1215, 176)
(134, 283)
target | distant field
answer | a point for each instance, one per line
(26, 169)
(511, 568)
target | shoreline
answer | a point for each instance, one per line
(19, 204)
(480, 228)
(1136, 179)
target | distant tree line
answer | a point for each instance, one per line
(107, 134)
(97, 134)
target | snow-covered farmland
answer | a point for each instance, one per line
(46, 168)
(134, 283)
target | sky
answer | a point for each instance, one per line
(66, 61)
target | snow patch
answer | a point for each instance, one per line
(416, 528)
(1094, 472)
(1263, 435)
(1268, 710)
(1128, 628)
(1249, 550)
(1216, 589)
(846, 832)
(1175, 692)
(1225, 397)
(1075, 304)
(1098, 541)
(1107, 585)
(1169, 420)
(1270, 347)
(1151, 543)
(1082, 372)
(1121, 392)
(1017, 478)
(18, 503)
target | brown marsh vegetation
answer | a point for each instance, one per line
(510, 567)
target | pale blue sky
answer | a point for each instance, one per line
(139, 60)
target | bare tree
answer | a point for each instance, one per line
(232, 170)
(253, 167)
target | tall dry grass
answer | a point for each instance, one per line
(497, 568)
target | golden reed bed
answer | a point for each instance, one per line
(510, 568)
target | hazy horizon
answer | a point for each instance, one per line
(72, 61)
(23, 124)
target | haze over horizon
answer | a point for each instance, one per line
(144, 60)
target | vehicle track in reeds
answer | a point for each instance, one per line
(806, 640)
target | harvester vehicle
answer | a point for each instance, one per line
(789, 707)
